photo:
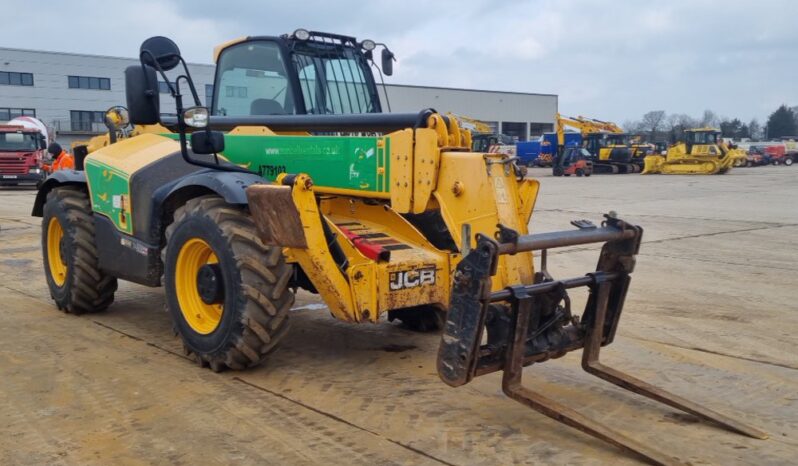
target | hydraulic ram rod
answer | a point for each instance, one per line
(540, 288)
(558, 239)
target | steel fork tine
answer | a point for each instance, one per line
(591, 364)
(511, 385)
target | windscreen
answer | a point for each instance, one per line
(617, 139)
(252, 80)
(702, 137)
(333, 79)
(18, 142)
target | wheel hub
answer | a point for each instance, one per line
(210, 284)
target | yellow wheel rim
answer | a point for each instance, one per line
(203, 318)
(55, 258)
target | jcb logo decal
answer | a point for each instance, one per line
(412, 278)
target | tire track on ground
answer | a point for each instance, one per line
(717, 353)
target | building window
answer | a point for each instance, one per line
(12, 78)
(88, 82)
(494, 126)
(235, 91)
(537, 129)
(208, 95)
(516, 130)
(163, 87)
(86, 121)
(11, 113)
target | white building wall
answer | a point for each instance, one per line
(51, 96)
(53, 100)
(487, 106)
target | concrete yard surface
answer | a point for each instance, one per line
(712, 315)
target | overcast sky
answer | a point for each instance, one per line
(612, 59)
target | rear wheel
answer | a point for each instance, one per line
(77, 285)
(788, 161)
(226, 291)
(580, 172)
(419, 318)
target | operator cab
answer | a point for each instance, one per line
(306, 72)
(616, 139)
(702, 137)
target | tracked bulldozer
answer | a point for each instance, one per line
(701, 153)
(380, 214)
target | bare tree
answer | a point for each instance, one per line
(710, 119)
(653, 121)
(679, 122)
(633, 126)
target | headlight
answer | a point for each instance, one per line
(35, 171)
(368, 44)
(196, 117)
(302, 34)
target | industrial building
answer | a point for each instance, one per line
(70, 93)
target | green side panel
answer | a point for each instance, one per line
(110, 192)
(345, 162)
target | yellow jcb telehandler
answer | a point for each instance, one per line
(231, 211)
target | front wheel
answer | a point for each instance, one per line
(226, 291)
(580, 172)
(71, 267)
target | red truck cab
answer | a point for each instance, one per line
(22, 151)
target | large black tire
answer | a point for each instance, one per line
(580, 172)
(82, 287)
(788, 161)
(557, 171)
(256, 299)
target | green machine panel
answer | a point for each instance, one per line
(352, 162)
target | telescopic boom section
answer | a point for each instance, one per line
(366, 122)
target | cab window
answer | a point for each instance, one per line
(333, 81)
(252, 80)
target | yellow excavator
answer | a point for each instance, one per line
(483, 137)
(639, 148)
(606, 142)
(701, 153)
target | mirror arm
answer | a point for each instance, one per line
(175, 92)
(181, 125)
(190, 81)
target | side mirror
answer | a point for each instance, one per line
(42, 143)
(141, 92)
(117, 117)
(161, 50)
(207, 142)
(387, 62)
(80, 152)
